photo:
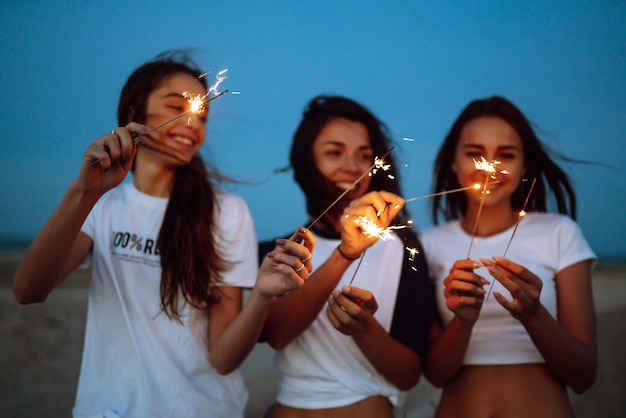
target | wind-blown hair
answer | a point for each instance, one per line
(539, 165)
(319, 192)
(191, 262)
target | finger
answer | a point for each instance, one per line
(125, 144)
(290, 264)
(300, 252)
(335, 322)
(361, 297)
(519, 270)
(466, 264)
(504, 302)
(466, 276)
(137, 131)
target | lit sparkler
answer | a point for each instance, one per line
(197, 104)
(379, 163)
(490, 169)
(521, 214)
(372, 230)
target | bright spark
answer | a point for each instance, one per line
(374, 231)
(218, 80)
(412, 253)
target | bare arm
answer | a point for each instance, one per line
(60, 247)
(464, 296)
(567, 343)
(233, 331)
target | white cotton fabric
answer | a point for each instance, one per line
(544, 243)
(136, 361)
(324, 368)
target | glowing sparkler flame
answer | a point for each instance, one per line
(197, 102)
(378, 162)
(484, 165)
(372, 230)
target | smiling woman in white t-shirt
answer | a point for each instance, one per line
(166, 326)
(513, 353)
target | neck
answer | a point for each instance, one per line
(153, 179)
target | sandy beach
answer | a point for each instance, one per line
(41, 347)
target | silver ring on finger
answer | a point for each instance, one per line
(113, 132)
(299, 269)
(304, 260)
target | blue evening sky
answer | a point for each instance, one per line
(415, 64)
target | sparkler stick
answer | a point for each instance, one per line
(378, 163)
(460, 189)
(488, 167)
(522, 213)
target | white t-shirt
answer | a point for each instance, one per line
(136, 361)
(544, 243)
(324, 368)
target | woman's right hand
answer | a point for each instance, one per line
(109, 158)
(464, 290)
(376, 208)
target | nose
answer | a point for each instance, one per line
(351, 164)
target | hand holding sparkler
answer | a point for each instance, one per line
(288, 266)
(352, 310)
(524, 285)
(379, 164)
(114, 152)
(464, 291)
(365, 219)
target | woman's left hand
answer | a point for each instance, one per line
(352, 310)
(524, 285)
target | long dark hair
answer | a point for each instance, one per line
(191, 261)
(319, 192)
(539, 165)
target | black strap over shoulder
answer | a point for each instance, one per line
(415, 302)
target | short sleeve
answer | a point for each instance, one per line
(237, 240)
(573, 246)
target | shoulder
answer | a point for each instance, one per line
(229, 200)
(230, 205)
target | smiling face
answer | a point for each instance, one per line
(178, 141)
(494, 139)
(342, 153)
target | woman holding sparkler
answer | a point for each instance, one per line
(359, 355)
(166, 330)
(515, 353)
